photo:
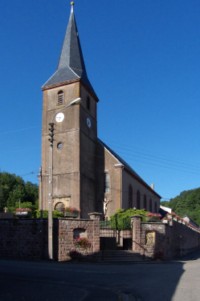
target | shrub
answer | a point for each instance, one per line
(44, 214)
(121, 220)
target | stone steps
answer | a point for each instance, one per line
(121, 256)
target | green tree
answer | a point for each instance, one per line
(14, 191)
(187, 203)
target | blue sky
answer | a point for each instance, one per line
(143, 59)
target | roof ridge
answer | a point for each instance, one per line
(127, 166)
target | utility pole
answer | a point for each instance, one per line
(50, 195)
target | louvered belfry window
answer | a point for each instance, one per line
(60, 97)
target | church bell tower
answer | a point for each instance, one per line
(69, 121)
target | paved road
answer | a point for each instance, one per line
(48, 281)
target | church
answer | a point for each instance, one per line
(78, 169)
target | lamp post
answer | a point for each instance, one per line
(50, 187)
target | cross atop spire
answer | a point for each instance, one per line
(71, 66)
(72, 6)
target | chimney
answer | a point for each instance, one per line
(153, 186)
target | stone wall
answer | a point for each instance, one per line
(23, 238)
(164, 241)
(28, 238)
(67, 231)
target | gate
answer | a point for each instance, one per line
(114, 239)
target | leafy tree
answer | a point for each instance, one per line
(14, 191)
(187, 203)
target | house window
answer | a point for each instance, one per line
(60, 99)
(138, 200)
(145, 202)
(130, 196)
(107, 182)
(88, 103)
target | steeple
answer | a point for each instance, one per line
(71, 66)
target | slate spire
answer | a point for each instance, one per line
(71, 66)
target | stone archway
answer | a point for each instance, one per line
(59, 207)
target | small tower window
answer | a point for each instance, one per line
(88, 103)
(60, 98)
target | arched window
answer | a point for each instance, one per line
(150, 205)
(107, 182)
(138, 200)
(88, 103)
(145, 202)
(156, 207)
(59, 207)
(130, 196)
(60, 99)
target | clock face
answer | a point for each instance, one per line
(89, 123)
(60, 117)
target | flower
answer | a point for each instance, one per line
(71, 210)
(23, 210)
(82, 242)
(150, 214)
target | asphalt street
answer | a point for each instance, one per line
(158, 281)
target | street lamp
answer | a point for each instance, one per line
(50, 189)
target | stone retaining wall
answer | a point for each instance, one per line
(28, 238)
(23, 238)
(164, 241)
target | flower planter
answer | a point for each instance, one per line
(71, 214)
